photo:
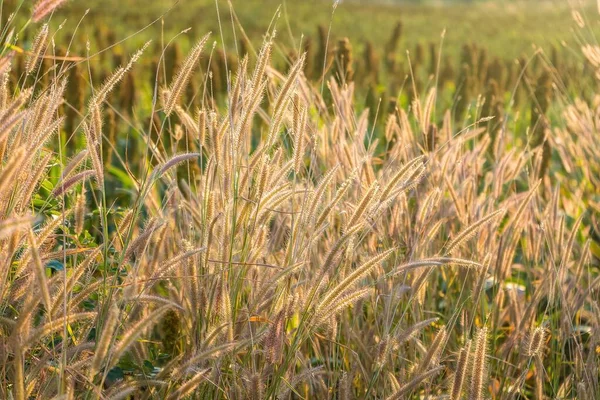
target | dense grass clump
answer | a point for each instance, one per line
(285, 242)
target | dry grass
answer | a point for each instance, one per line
(275, 249)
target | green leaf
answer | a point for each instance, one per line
(55, 265)
(595, 249)
(115, 374)
(122, 177)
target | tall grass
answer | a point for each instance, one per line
(274, 248)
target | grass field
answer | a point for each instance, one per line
(504, 28)
(279, 216)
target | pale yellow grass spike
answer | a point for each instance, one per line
(341, 303)
(428, 110)
(432, 355)
(39, 271)
(283, 98)
(34, 180)
(133, 333)
(44, 8)
(64, 186)
(319, 191)
(578, 18)
(364, 203)
(183, 76)
(206, 354)
(339, 195)
(261, 65)
(461, 372)
(15, 223)
(535, 344)
(173, 161)
(116, 77)
(299, 142)
(38, 49)
(56, 325)
(517, 217)
(412, 384)
(478, 370)
(566, 252)
(249, 112)
(471, 230)
(402, 176)
(92, 145)
(411, 331)
(73, 279)
(189, 386)
(11, 169)
(106, 338)
(353, 278)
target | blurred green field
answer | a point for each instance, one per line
(506, 29)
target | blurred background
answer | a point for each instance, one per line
(484, 57)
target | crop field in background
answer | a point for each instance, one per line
(299, 199)
(504, 28)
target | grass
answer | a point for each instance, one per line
(279, 242)
(506, 30)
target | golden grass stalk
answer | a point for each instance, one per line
(345, 387)
(341, 303)
(264, 58)
(56, 325)
(19, 374)
(73, 279)
(318, 193)
(15, 223)
(402, 176)
(341, 192)
(414, 383)
(39, 271)
(92, 148)
(110, 325)
(38, 49)
(364, 203)
(471, 230)
(582, 393)
(80, 211)
(535, 343)
(116, 77)
(44, 8)
(410, 332)
(183, 76)
(434, 262)
(461, 372)
(432, 355)
(33, 181)
(478, 370)
(140, 242)
(131, 334)
(299, 142)
(5, 67)
(283, 99)
(517, 217)
(173, 161)
(274, 340)
(353, 278)
(64, 185)
(8, 124)
(11, 169)
(428, 110)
